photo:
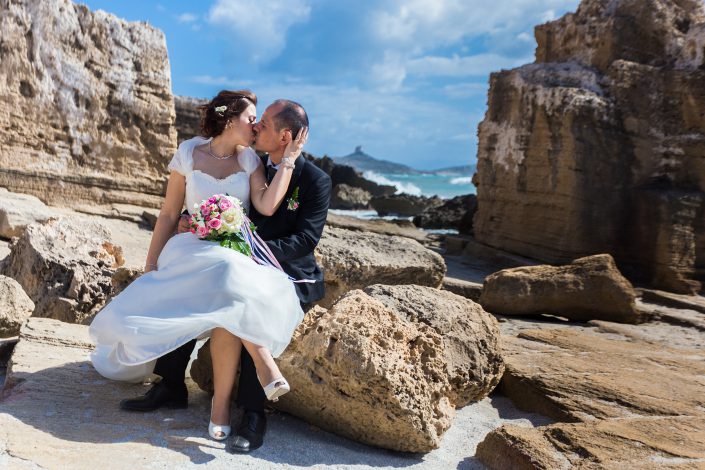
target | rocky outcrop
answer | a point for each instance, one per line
(88, 110)
(342, 174)
(65, 266)
(354, 260)
(587, 289)
(15, 307)
(405, 205)
(598, 146)
(380, 226)
(347, 197)
(454, 213)
(19, 210)
(188, 117)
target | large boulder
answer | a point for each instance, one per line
(88, 113)
(587, 289)
(353, 260)
(405, 205)
(15, 307)
(19, 210)
(455, 213)
(470, 336)
(376, 371)
(65, 266)
(572, 160)
(348, 197)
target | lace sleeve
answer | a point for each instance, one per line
(249, 161)
(181, 162)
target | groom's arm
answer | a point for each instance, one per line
(313, 209)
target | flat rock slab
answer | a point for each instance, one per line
(654, 443)
(579, 376)
(57, 413)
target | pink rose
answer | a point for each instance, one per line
(201, 231)
(214, 224)
(211, 200)
(225, 204)
(192, 230)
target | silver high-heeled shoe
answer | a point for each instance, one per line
(214, 429)
(276, 389)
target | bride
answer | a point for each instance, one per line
(192, 287)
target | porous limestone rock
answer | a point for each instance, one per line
(588, 288)
(598, 147)
(380, 226)
(19, 210)
(188, 117)
(353, 260)
(88, 109)
(15, 307)
(471, 340)
(361, 371)
(65, 266)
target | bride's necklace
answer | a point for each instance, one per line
(210, 152)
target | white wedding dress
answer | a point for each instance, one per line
(198, 286)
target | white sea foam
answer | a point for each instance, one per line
(408, 188)
(462, 180)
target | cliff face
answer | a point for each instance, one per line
(599, 146)
(88, 113)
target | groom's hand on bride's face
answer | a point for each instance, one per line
(183, 224)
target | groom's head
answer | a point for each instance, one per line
(278, 126)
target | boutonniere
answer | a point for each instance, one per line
(293, 202)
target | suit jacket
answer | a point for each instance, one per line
(292, 235)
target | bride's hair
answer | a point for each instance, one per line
(225, 106)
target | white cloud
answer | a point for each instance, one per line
(186, 18)
(456, 66)
(260, 25)
(465, 90)
(220, 81)
(409, 30)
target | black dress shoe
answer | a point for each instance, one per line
(250, 432)
(158, 396)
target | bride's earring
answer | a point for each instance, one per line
(228, 124)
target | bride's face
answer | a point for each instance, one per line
(241, 127)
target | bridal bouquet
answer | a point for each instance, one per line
(220, 218)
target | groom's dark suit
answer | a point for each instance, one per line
(292, 236)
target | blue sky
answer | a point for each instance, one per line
(407, 80)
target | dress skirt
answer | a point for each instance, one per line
(198, 286)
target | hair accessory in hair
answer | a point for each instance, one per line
(221, 109)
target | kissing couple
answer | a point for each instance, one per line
(194, 288)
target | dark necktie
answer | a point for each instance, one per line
(271, 171)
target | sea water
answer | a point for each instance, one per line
(444, 185)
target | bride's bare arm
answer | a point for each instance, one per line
(267, 199)
(168, 217)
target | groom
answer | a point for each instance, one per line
(292, 233)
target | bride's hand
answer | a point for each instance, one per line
(294, 147)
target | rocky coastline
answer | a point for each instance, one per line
(567, 315)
